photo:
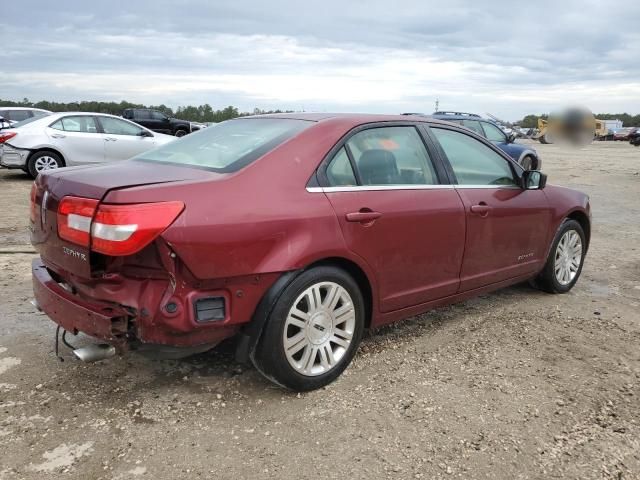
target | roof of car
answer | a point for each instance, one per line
(2, 107)
(354, 118)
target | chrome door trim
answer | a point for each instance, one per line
(373, 188)
(501, 187)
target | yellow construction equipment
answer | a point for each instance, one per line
(576, 126)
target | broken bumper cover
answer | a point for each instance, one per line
(97, 319)
(12, 157)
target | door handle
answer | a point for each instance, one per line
(363, 216)
(58, 135)
(110, 139)
(482, 209)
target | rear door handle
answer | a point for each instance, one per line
(483, 209)
(363, 216)
(110, 139)
(58, 135)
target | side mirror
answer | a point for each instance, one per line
(533, 180)
(145, 133)
(511, 138)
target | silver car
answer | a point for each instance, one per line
(67, 139)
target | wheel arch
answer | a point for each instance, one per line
(536, 164)
(583, 219)
(252, 331)
(46, 149)
(359, 275)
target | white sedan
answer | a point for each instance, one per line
(67, 139)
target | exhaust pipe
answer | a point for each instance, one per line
(95, 352)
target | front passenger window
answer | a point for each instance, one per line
(473, 162)
(115, 126)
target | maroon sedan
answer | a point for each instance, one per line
(294, 232)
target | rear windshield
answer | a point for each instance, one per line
(227, 146)
(30, 119)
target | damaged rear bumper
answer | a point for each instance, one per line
(96, 319)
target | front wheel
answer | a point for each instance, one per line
(180, 133)
(528, 163)
(313, 331)
(565, 260)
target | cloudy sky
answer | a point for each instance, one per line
(506, 58)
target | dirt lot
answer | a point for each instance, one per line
(514, 385)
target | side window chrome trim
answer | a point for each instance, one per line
(371, 188)
(502, 187)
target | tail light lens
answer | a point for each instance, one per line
(6, 136)
(74, 219)
(115, 230)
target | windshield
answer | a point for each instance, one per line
(227, 146)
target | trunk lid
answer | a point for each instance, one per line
(93, 182)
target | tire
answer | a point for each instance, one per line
(42, 161)
(319, 351)
(180, 133)
(529, 163)
(559, 277)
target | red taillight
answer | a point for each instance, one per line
(6, 136)
(74, 219)
(114, 229)
(33, 212)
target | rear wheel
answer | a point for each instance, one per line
(564, 264)
(313, 331)
(43, 161)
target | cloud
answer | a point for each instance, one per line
(501, 57)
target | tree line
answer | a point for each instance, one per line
(206, 113)
(531, 121)
(201, 113)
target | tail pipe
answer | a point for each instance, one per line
(95, 352)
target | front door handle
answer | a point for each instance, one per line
(363, 216)
(111, 139)
(482, 209)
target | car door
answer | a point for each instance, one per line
(396, 215)
(160, 122)
(506, 224)
(124, 139)
(78, 138)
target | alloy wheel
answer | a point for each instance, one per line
(568, 257)
(45, 162)
(319, 328)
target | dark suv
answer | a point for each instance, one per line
(523, 154)
(159, 122)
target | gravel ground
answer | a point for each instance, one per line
(517, 384)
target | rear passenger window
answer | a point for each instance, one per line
(339, 171)
(472, 161)
(81, 124)
(392, 156)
